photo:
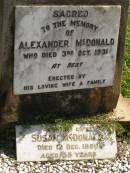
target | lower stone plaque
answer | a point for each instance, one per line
(35, 143)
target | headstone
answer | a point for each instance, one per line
(34, 143)
(99, 66)
(60, 48)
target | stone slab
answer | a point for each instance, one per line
(34, 143)
(68, 47)
(122, 110)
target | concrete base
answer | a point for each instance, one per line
(122, 110)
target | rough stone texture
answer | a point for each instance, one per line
(69, 103)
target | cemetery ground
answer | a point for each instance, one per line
(120, 164)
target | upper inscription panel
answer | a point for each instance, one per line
(65, 47)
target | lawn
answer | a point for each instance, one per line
(125, 89)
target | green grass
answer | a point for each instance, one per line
(125, 89)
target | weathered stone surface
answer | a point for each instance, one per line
(35, 143)
(78, 102)
(65, 48)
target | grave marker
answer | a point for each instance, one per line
(91, 81)
(34, 143)
(60, 48)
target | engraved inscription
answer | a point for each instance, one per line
(81, 142)
(65, 47)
